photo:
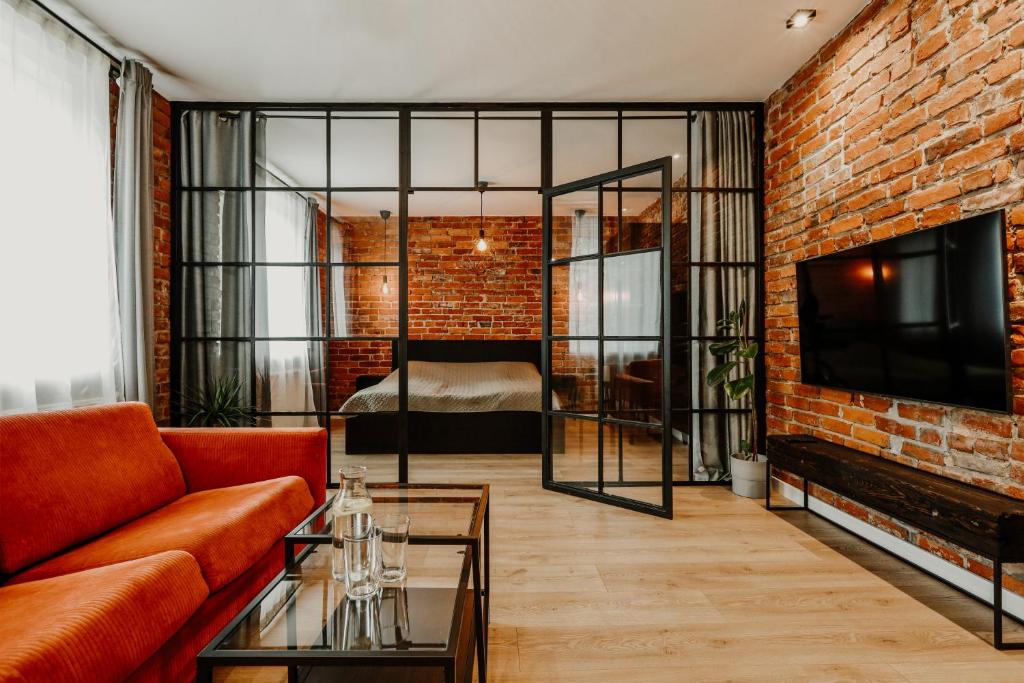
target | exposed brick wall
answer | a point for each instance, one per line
(161, 246)
(909, 118)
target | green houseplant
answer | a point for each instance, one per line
(736, 373)
(218, 403)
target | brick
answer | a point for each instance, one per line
(871, 436)
(987, 423)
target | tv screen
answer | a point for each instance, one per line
(920, 316)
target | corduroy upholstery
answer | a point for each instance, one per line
(203, 550)
(212, 458)
(226, 530)
(97, 625)
(69, 475)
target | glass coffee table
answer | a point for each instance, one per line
(427, 629)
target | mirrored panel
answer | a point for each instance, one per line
(290, 227)
(215, 379)
(723, 227)
(722, 149)
(574, 306)
(364, 301)
(364, 227)
(582, 148)
(215, 301)
(294, 149)
(510, 152)
(632, 462)
(216, 226)
(633, 374)
(289, 301)
(574, 451)
(442, 152)
(364, 151)
(632, 295)
(574, 379)
(291, 378)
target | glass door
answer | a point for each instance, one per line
(607, 346)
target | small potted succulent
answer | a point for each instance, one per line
(218, 403)
(736, 374)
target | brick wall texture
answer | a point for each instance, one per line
(911, 117)
(161, 246)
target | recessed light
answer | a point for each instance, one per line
(676, 155)
(801, 18)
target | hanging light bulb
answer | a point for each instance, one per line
(481, 244)
(385, 289)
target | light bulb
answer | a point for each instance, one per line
(481, 244)
(385, 288)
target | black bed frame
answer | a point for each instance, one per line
(491, 432)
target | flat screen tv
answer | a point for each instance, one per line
(920, 316)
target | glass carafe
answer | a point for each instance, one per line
(352, 498)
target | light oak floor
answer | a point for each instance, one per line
(726, 591)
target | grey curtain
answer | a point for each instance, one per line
(133, 228)
(314, 310)
(723, 230)
(218, 150)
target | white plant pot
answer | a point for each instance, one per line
(748, 476)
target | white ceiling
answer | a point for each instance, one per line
(462, 50)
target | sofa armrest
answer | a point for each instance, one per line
(214, 457)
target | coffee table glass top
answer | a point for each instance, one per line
(435, 510)
(307, 610)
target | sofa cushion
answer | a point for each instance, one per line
(70, 475)
(97, 625)
(226, 530)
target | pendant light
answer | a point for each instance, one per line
(481, 244)
(385, 289)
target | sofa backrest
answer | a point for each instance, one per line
(66, 476)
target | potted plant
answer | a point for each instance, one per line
(736, 373)
(217, 404)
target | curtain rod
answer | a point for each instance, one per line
(115, 63)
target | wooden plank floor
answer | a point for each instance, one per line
(724, 592)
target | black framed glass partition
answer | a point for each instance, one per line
(291, 267)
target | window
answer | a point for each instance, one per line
(60, 345)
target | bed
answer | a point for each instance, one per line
(465, 396)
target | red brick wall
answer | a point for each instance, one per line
(909, 118)
(161, 246)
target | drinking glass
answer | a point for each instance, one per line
(394, 540)
(362, 556)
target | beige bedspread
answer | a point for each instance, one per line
(455, 388)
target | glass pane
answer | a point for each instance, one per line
(720, 291)
(647, 139)
(575, 224)
(582, 148)
(679, 300)
(574, 376)
(358, 230)
(719, 436)
(442, 152)
(641, 221)
(290, 377)
(295, 143)
(364, 152)
(682, 375)
(633, 462)
(215, 148)
(289, 301)
(364, 429)
(724, 225)
(680, 232)
(216, 226)
(633, 373)
(632, 295)
(289, 227)
(722, 149)
(574, 299)
(364, 301)
(574, 451)
(215, 301)
(209, 368)
(716, 397)
(681, 428)
(510, 152)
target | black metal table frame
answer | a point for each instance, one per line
(210, 657)
(997, 567)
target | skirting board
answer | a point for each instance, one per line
(965, 580)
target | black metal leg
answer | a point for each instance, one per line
(768, 493)
(478, 616)
(997, 610)
(204, 673)
(806, 484)
(487, 570)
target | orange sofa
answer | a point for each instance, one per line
(125, 548)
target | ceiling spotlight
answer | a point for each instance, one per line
(801, 18)
(676, 155)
